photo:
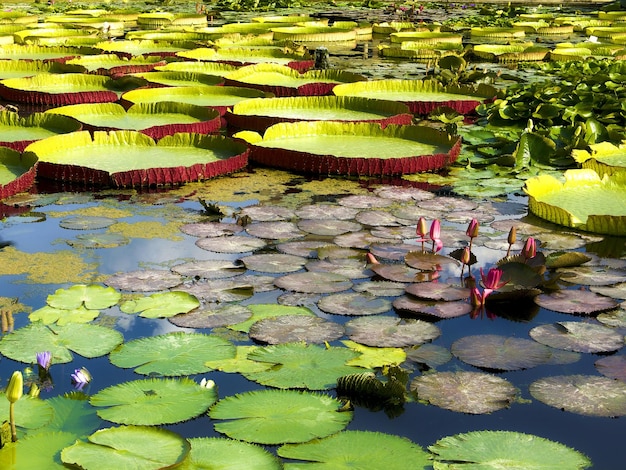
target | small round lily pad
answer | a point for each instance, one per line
(385, 331)
(148, 280)
(576, 302)
(579, 337)
(231, 244)
(314, 282)
(290, 328)
(353, 303)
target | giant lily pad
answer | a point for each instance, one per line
(128, 447)
(604, 158)
(279, 416)
(259, 114)
(301, 365)
(587, 395)
(218, 97)
(358, 449)
(111, 64)
(354, 148)
(144, 47)
(584, 201)
(153, 401)
(17, 132)
(153, 119)
(240, 56)
(87, 340)
(127, 158)
(281, 80)
(492, 449)
(579, 337)
(172, 354)
(35, 52)
(17, 172)
(180, 78)
(465, 392)
(60, 89)
(421, 97)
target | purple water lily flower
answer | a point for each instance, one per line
(44, 359)
(80, 378)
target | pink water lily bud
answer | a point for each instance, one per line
(530, 248)
(421, 228)
(466, 257)
(435, 230)
(476, 298)
(492, 281)
(371, 259)
(472, 229)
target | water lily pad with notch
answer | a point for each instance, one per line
(153, 119)
(98, 240)
(290, 328)
(431, 309)
(231, 244)
(37, 450)
(438, 291)
(465, 392)
(217, 97)
(62, 316)
(267, 213)
(129, 159)
(17, 132)
(348, 267)
(482, 448)
(281, 80)
(153, 401)
(217, 452)
(428, 354)
(86, 340)
(279, 416)
(212, 316)
(172, 354)
(86, 222)
(273, 262)
(127, 447)
(314, 282)
(403, 273)
(60, 89)
(34, 413)
(353, 303)
(161, 304)
(380, 288)
(591, 275)
(259, 114)
(220, 290)
(576, 302)
(500, 352)
(302, 366)
(579, 337)
(385, 331)
(613, 367)
(263, 311)
(239, 364)
(280, 230)
(584, 201)
(353, 148)
(371, 357)
(587, 395)
(421, 96)
(148, 280)
(328, 227)
(358, 449)
(209, 269)
(426, 261)
(92, 296)
(17, 172)
(211, 229)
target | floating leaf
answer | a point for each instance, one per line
(500, 352)
(231, 244)
(84, 339)
(216, 452)
(465, 392)
(301, 365)
(278, 416)
(79, 222)
(36, 450)
(429, 354)
(161, 304)
(591, 275)
(390, 332)
(290, 328)
(371, 357)
(209, 269)
(587, 395)
(576, 302)
(240, 363)
(274, 263)
(48, 315)
(148, 280)
(484, 448)
(212, 316)
(153, 401)
(128, 447)
(358, 449)
(428, 261)
(90, 296)
(431, 309)
(613, 367)
(438, 291)
(579, 337)
(261, 311)
(74, 414)
(314, 282)
(353, 304)
(172, 354)
(33, 413)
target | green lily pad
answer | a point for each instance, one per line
(128, 447)
(92, 296)
(33, 413)
(240, 363)
(371, 357)
(61, 316)
(302, 366)
(112, 64)
(161, 304)
(18, 132)
(36, 450)
(465, 392)
(353, 148)
(584, 201)
(172, 354)
(357, 449)
(587, 395)
(153, 401)
(262, 311)
(129, 158)
(180, 78)
(390, 332)
(219, 453)
(490, 449)
(73, 414)
(240, 56)
(17, 172)
(212, 316)
(500, 352)
(86, 222)
(579, 337)
(86, 340)
(289, 328)
(279, 416)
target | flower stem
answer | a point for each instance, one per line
(12, 421)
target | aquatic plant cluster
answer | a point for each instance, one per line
(334, 301)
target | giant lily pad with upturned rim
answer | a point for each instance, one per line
(182, 78)
(45, 53)
(218, 97)
(421, 96)
(281, 80)
(259, 114)
(604, 158)
(17, 172)
(153, 119)
(127, 158)
(111, 64)
(349, 148)
(17, 132)
(60, 89)
(248, 56)
(583, 201)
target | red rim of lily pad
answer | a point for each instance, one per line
(53, 123)
(24, 169)
(305, 162)
(57, 169)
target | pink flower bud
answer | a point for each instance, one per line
(472, 229)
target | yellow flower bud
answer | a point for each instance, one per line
(15, 389)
